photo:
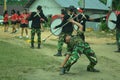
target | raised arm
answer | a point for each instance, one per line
(77, 23)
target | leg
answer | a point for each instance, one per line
(5, 27)
(39, 37)
(60, 44)
(65, 60)
(26, 32)
(69, 61)
(32, 37)
(82, 36)
(118, 40)
(92, 58)
(22, 31)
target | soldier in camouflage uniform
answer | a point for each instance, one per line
(117, 32)
(36, 28)
(66, 30)
(76, 47)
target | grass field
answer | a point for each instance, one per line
(19, 62)
(15, 60)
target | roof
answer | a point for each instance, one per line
(29, 3)
(67, 3)
(10, 7)
(89, 4)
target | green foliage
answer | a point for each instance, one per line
(103, 27)
(103, 1)
(116, 4)
(81, 3)
(47, 24)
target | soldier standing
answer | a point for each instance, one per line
(66, 30)
(35, 26)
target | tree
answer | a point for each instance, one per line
(115, 4)
(103, 1)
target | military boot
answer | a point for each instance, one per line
(32, 45)
(59, 53)
(91, 69)
(38, 46)
(62, 71)
(118, 50)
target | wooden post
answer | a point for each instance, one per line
(5, 5)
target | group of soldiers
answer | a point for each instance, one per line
(76, 44)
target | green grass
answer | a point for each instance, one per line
(16, 60)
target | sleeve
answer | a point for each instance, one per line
(115, 22)
(43, 16)
(87, 17)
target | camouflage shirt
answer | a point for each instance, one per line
(75, 40)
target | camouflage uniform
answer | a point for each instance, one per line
(66, 30)
(38, 31)
(117, 31)
(61, 40)
(118, 38)
(76, 47)
(35, 26)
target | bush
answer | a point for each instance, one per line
(103, 26)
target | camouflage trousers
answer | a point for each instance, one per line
(82, 48)
(61, 41)
(118, 38)
(33, 31)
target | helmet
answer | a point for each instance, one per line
(71, 8)
(39, 8)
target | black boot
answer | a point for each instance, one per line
(62, 71)
(91, 69)
(32, 45)
(38, 46)
(118, 50)
(59, 53)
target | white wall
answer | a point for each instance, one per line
(48, 6)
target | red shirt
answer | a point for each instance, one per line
(5, 19)
(18, 17)
(24, 18)
(14, 17)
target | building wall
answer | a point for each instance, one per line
(48, 6)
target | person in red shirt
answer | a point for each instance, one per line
(18, 20)
(13, 20)
(5, 21)
(24, 23)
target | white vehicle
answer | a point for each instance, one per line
(1, 19)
